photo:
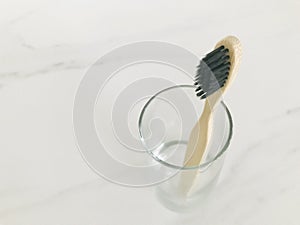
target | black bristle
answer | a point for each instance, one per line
(200, 93)
(219, 66)
(212, 72)
(215, 51)
(214, 58)
(198, 89)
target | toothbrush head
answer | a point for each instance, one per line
(217, 68)
(212, 72)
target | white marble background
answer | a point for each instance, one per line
(45, 48)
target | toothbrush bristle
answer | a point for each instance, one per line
(212, 72)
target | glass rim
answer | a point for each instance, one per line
(202, 165)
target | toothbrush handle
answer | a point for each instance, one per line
(198, 141)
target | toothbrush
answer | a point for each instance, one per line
(215, 74)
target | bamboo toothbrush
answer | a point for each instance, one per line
(215, 73)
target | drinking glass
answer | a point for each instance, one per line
(165, 123)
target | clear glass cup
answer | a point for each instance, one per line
(165, 124)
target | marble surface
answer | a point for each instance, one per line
(47, 46)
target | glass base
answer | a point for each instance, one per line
(174, 201)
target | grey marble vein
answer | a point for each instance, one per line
(22, 17)
(52, 197)
(293, 110)
(55, 67)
